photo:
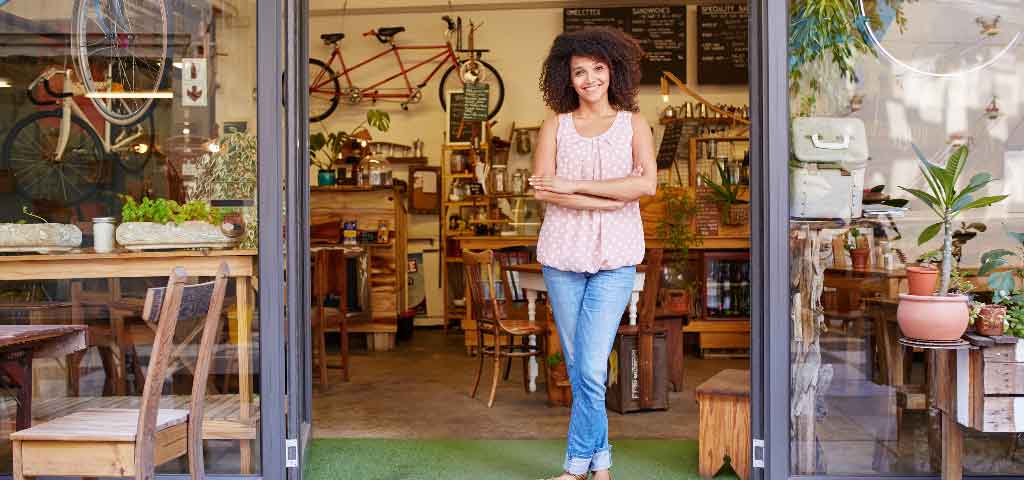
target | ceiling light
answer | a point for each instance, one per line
(5, 83)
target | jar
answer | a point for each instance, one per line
(519, 182)
(499, 179)
(103, 234)
(458, 162)
(375, 171)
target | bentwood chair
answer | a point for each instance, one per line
(117, 442)
(509, 336)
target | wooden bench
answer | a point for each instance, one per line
(724, 428)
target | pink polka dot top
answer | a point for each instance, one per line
(591, 240)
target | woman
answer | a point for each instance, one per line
(593, 160)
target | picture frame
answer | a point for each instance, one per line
(425, 190)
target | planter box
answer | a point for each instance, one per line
(39, 237)
(153, 236)
(990, 385)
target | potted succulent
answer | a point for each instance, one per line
(162, 224)
(45, 237)
(1006, 298)
(734, 209)
(942, 316)
(859, 254)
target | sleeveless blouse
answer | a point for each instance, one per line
(591, 240)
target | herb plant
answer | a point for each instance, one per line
(163, 210)
(676, 227)
(1015, 321)
(727, 192)
(947, 202)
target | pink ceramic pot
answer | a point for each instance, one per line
(928, 317)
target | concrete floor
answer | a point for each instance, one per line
(421, 390)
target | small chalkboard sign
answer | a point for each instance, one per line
(722, 44)
(669, 145)
(475, 101)
(460, 130)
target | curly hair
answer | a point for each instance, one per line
(618, 50)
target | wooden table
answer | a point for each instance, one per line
(128, 264)
(531, 279)
(19, 344)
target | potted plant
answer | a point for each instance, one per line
(942, 317)
(163, 224)
(734, 209)
(923, 276)
(230, 173)
(859, 254)
(1006, 298)
(675, 225)
(45, 237)
(329, 150)
(559, 390)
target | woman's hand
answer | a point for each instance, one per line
(553, 184)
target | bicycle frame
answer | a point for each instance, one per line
(446, 54)
(69, 108)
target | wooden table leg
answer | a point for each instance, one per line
(952, 448)
(531, 309)
(75, 359)
(18, 368)
(674, 337)
(242, 286)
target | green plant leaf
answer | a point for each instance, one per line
(878, 189)
(925, 197)
(1001, 283)
(896, 202)
(992, 260)
(956, 162)
(982, 202)
(929, 233)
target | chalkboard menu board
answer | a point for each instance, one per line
(461, 130)
(722, 44)
(675, 142)
(475, 101)
(660, 30)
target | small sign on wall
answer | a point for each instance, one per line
(193, 82)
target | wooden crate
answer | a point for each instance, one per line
(624, 375)
(990, 386)
(724, 425)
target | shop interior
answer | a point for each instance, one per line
(404, 178)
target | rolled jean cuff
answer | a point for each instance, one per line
(602, 460)
(577, 465)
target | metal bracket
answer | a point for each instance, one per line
(291, 453)
(758, 453)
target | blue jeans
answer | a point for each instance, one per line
(588, 308)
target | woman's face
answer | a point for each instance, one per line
(589, 78)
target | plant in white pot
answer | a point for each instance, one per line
(164, 224)
(942, 316)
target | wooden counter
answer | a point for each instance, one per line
(329, 207)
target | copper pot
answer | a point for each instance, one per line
(990, 320)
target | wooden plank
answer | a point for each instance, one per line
(171, 443)
(1002, 378)
(731, 382)
(1005, 353)
(720, 326)
(1003, 415)
(125, 265)
(723, 429)
(78, 459)
(952, 449)
(975, 390)
(724, 340)
(99, 425)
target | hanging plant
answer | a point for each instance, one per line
(835, 30)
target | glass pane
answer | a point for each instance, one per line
(933, 79)
(155, 169)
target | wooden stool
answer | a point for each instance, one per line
(724, 403)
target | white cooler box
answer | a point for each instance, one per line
(827, 173)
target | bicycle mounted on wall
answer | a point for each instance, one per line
(325, 90)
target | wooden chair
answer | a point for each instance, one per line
(646, 328)
(493, 319)
(132, 442)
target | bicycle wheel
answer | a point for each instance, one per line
(323, 90)
(490, 77)
(124, 43)
(30, 153)
(133, 145)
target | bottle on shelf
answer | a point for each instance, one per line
(725, 282)
(711, 286)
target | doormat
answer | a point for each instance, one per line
(380, 459)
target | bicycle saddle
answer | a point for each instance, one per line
(332, 37)
(384, 34)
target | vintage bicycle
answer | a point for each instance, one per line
(465, 66)
(59, 154)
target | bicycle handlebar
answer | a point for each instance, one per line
(45, 78)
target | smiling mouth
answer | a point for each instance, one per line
(591, 87)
